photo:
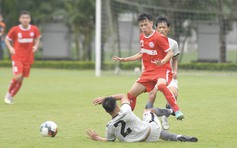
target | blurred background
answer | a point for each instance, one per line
(206, 30)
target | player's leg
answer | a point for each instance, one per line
(135, 91)
(25, 73)
(155, 127)
(167, 136)
(151, 98)
(159, 111)
(14, 86)
(161, 85)
(173, 86)
(20, 70)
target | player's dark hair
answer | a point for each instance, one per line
(23, 12)
(109, 104)
(162, 19)
(144, 16)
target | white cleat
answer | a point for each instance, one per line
(8, 99)
(165, 123)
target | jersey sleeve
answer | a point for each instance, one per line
(174, 46)
(11, 35)
(163, 43)
(37, 32)
(125, 108)
(109, 134)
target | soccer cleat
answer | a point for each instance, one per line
(183, 138)
(165, 123)
(8, 99)
(179, 115)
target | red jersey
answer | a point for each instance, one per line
(154, 47)
(23, 42)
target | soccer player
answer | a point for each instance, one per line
(127, 127)
(155, 54)
(2, 28)
(22, 41)
(163, 27)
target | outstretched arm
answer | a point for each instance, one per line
(94, 136)
(123, 98)
(135, 57)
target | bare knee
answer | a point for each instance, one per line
(19, 77)
(161, 87)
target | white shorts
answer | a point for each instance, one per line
(174, 83)
(155, 126)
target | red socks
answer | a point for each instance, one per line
(14, 87)
(132, 100)
(169, 96)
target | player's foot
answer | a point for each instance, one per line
(165, 123)
(183, 138)
(169, 107)
(179, 115)
(8, 99)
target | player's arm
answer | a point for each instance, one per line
(167, 58)
(175, 66)
(135, 57)
(36, 45)
(123, 98)
(94, 136)
(9, 45)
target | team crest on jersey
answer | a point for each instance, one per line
(151, 44)
(32, 34)
(19, 35)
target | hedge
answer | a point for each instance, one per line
(125, 66)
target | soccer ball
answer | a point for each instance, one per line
(48, 129)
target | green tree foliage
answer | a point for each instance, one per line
(78, 15)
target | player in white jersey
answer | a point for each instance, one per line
(163, 27)
(127, 127)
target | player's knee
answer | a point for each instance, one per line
(19, 77)
(161, 87)
(132, 100)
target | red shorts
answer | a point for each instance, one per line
(19, 67)
(149, 80)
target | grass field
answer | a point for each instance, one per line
(208, 100)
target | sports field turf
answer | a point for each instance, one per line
(208, 100)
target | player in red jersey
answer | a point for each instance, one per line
(155, 54)
(22, 41)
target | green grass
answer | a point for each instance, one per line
(208, 100)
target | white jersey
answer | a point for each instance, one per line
(126, 126)
(174, 46)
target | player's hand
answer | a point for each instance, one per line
(175, 75)
(119, 59)
(12, 51)
(98, 100)
(35, 48)
(92, 134)
(158, 62)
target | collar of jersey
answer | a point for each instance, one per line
(150, 34)
(24, 28)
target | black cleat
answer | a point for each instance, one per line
(187, 139)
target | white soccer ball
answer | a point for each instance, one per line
(48, 129)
